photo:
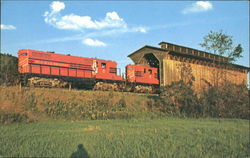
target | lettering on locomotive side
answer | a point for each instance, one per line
(95, 67)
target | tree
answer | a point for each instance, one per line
(221, 44)
(8, 69)
(228, 99)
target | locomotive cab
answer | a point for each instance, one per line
(142, 74)
(106, 70)
(23, 61)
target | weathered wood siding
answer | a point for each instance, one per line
(203, 73)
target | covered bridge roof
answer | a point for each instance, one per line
(178, 50)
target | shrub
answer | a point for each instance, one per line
(31, 101)
(228, 100)
(179, 98)
(7, 118)
(122, 103)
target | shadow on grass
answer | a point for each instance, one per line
(80, 152)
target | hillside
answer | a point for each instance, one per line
(47, 104)
(44, 122)
(38, 104)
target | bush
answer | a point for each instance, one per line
(179, 98)
(228, 100)
(7, 118)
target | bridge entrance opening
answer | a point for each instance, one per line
(152, 61)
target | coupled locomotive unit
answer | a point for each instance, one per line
(49, 69)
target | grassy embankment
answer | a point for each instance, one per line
(64, 122)
(48, 104)
(170, 137)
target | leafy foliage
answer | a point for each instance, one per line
(236, 53)
(222, 44)
(179, 98)
(8, 69)
(228, 100)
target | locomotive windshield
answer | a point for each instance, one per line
(103, 65)
(23, 54)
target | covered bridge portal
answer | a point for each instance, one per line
(170, 59)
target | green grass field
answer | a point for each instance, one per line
(170, 137)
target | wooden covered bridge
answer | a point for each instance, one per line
(175, 62)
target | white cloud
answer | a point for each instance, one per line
(7, 27)
(205, 5)
(113, 16)
(139, 29)
(199, 6)
(111, 21)
(76, 22)
(92, 42)
(110, 25)
(57, 6)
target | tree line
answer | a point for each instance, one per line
(8, 70)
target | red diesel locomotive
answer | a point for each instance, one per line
(49, 69)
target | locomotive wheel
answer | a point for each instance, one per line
(106, 86)
(46, 82)
(143, 89)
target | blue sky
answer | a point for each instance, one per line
(112, 30)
